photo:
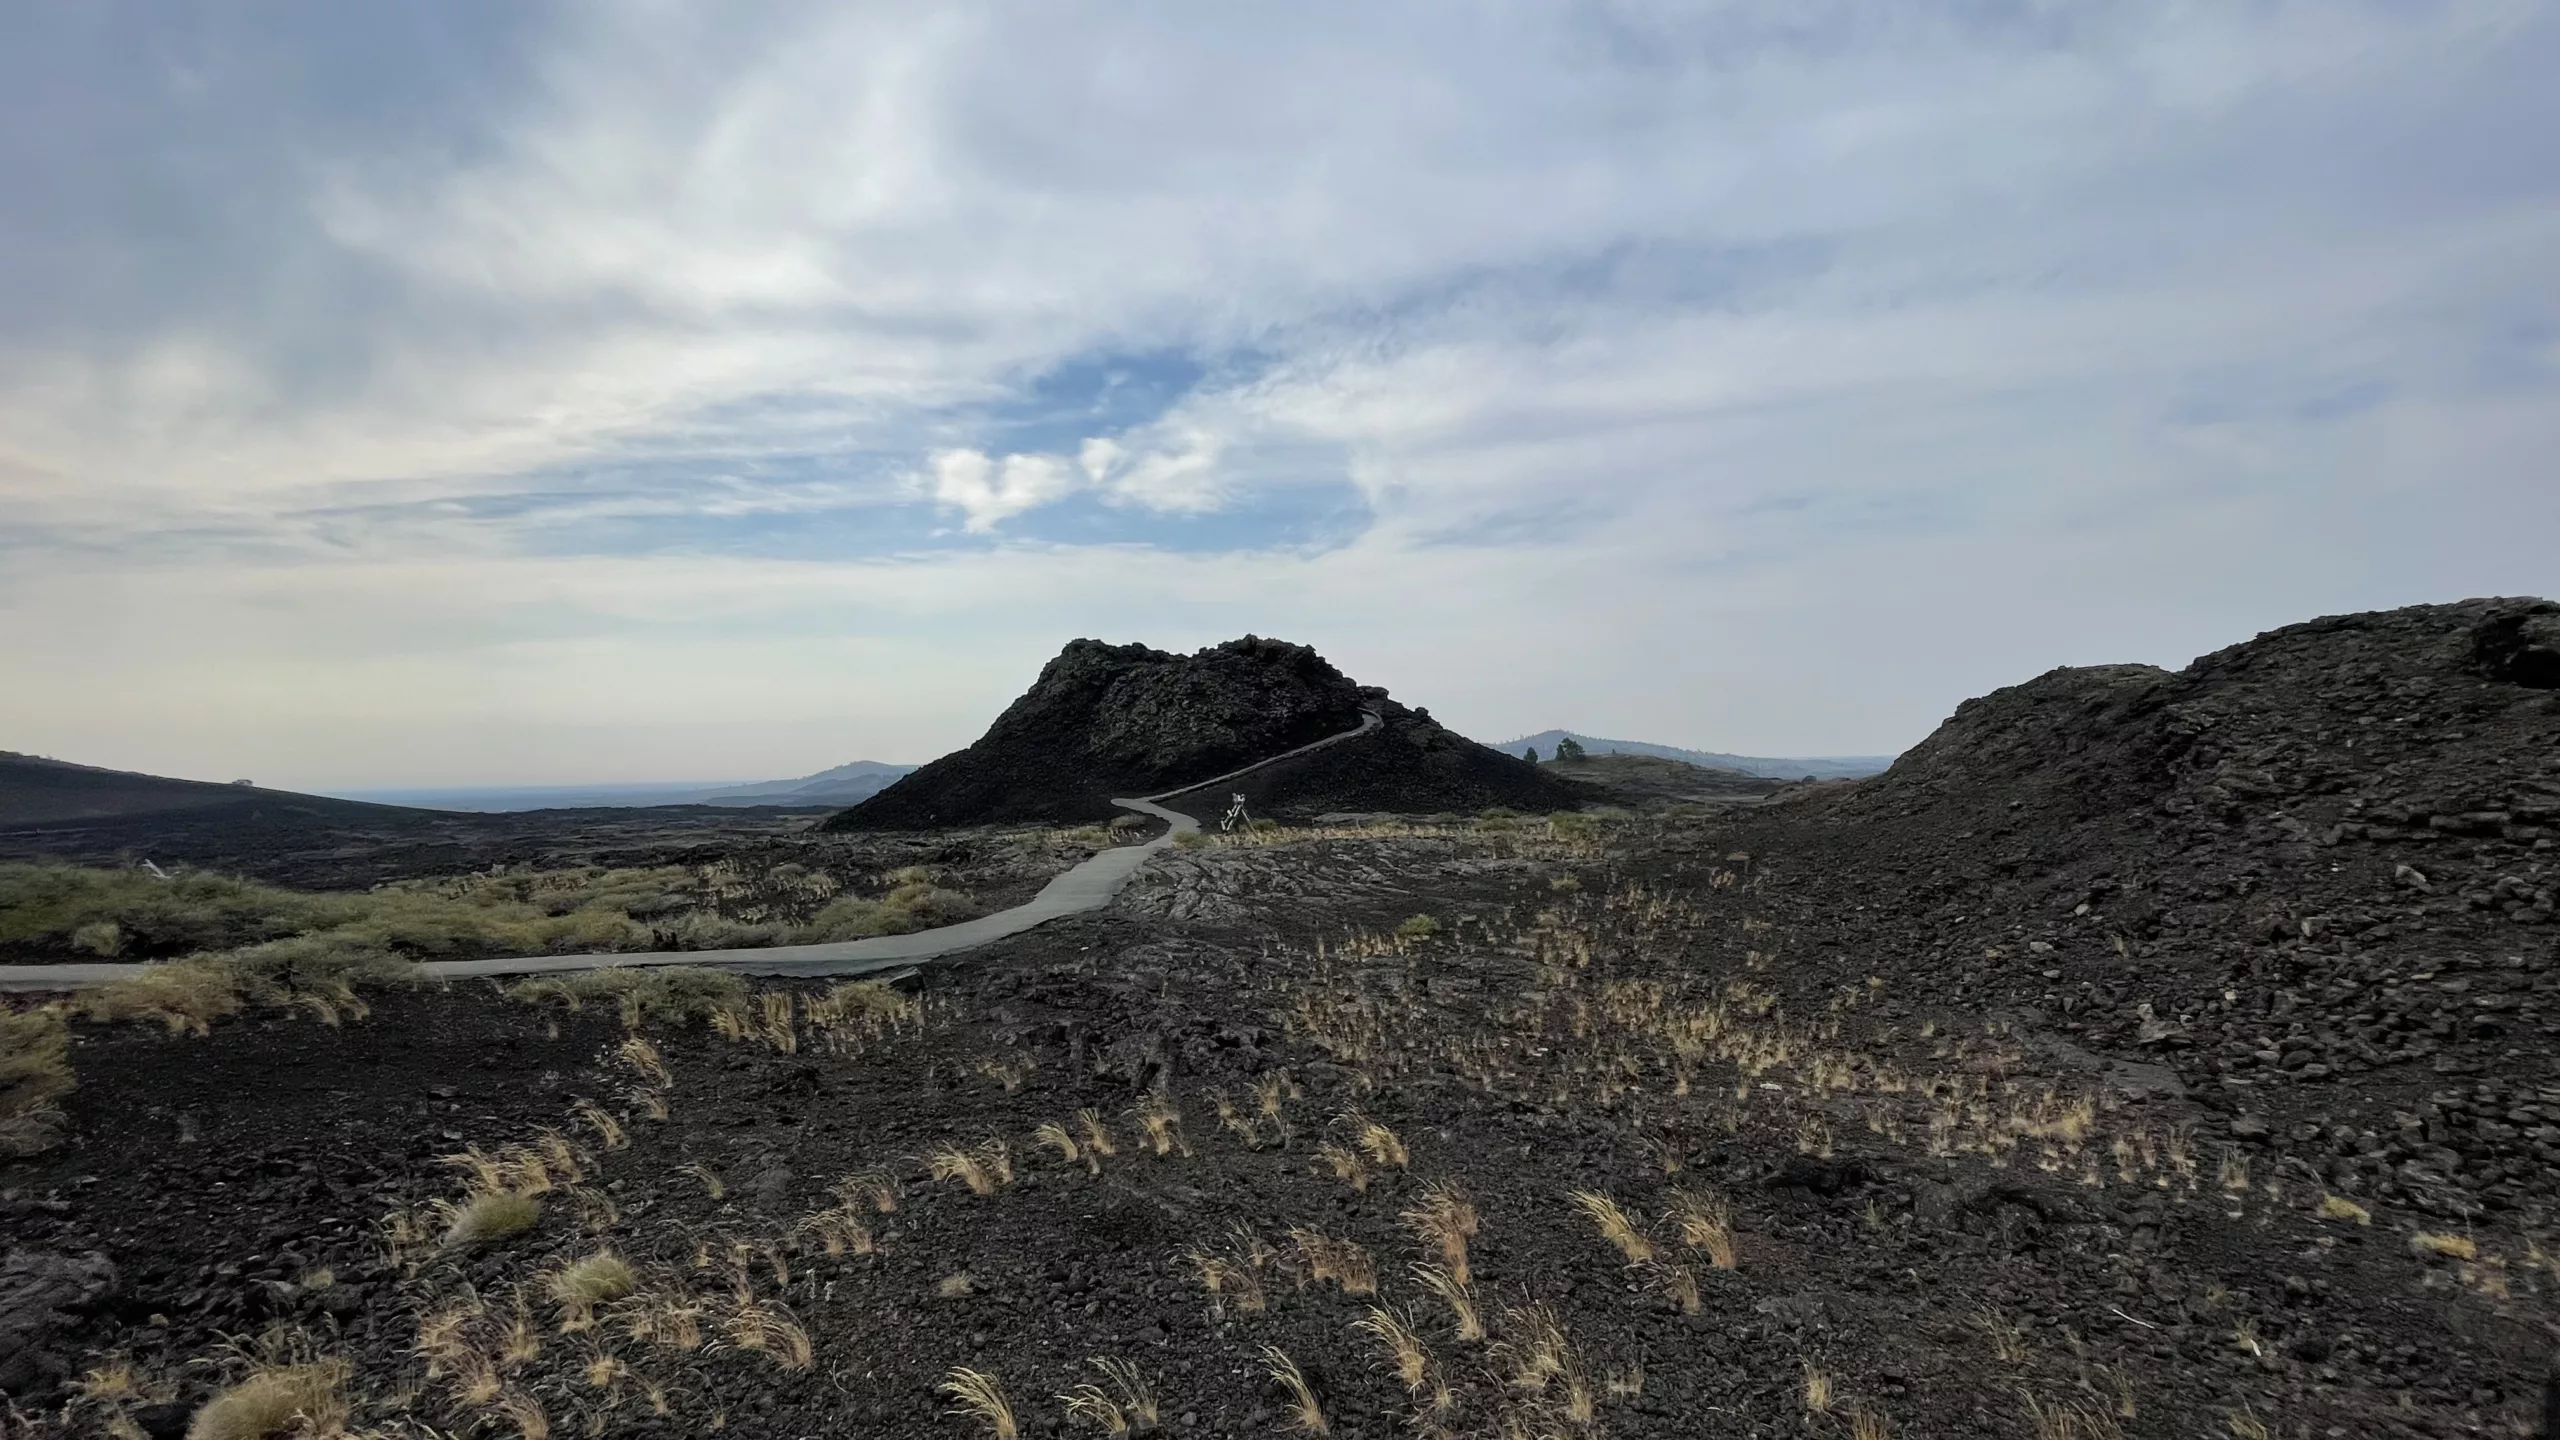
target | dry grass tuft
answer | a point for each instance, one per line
(676, 993)
(2450, 1247)
(582, 1285)
(982, 1398)
(1233, 1281)
(1345, 1165)
(1615, 1226)
(1533, 1351)
(2008, 1338)
(838, 1230)
(1457, 1295)
(1406, 1354)
(1305, 1413)
(278, 1400)
(1444, 1218)
(35, 1073)
(185, 995)
(968, 1166)
(1097, 1136)
(1053, 1136)
(1817, 1390)
(487, 1217)
(2063, 1420)
(523, 1414)
(1344, 1262)
(1129, 1405)
(645, 1060)
(1678, 1283)
(608, 1130)
(2338, 1207)
(1382, 1145)
(1162, 1120)
(1704, 1225)
(755, 1325)
(876, 1188)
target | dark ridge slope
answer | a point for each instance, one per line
(37, 791)
(2320, 862)
(1122, 720)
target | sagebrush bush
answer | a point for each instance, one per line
(35, 1073)
(679, 993)
(49, 904)
(913, 905)
(185, 995)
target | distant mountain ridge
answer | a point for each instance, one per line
(1820, 767)
(840, 785)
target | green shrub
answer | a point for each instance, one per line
(99, 937)
(320, 971)
(1419, 927)
(51, 904)
(703, 930)
(680, 993)
(185, 995)
(914, 905)
(35, 1073)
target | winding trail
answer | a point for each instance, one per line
(1084, 887)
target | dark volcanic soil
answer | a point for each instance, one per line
(1124, 720)
(1984, 1160)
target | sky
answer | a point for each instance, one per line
(439, 392)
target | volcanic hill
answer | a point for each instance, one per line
(2313, 875)
(1124, 720)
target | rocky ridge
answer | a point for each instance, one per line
(2314, 874)
(1108, 720)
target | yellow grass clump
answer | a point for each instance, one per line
(488, 1217)
(582, 1285)
(980, 1396)
(277, 1400)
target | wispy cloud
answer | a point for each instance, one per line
(1737, 333)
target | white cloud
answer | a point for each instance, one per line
(988, 490)
(1678, 353)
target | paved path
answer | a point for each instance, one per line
(1088, 886)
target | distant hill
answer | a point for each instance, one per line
(844, 785)
(1104, 720)
(35, 791)
(828, 789)
(1820, 767)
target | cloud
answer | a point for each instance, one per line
(990, 490)
(428, 344)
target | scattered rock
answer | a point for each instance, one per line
(42, 1297)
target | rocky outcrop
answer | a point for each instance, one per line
(2319, 866)
(1123, 720)
(42, 1300)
